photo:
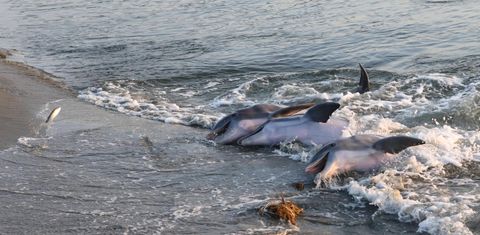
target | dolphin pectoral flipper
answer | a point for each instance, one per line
(321, 112)
(319, 160)
(364, 84)
(396, 144)
(259, 128)
(289, 111)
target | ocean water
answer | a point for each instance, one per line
(191, 62)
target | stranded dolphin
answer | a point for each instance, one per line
(244, 121)
(360, 152)
(311, 128)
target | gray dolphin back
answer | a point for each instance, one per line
(364, 84)
(257, 110)
(321, 112)
(396, 144)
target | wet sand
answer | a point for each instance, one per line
(22, 95)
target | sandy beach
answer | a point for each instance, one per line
(23, 94)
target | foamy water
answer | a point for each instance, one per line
(414, 186)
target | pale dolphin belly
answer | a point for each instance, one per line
(298, 128)
(342, 161)
(323, 133)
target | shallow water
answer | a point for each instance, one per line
(191, 62)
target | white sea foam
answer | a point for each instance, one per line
(237, 95)
(211, 84)
(413, 186)
(410, 186)
(442, 78)
(187, 211)
(31, 142)
(293, 93)
(437, 211)
(118, 98)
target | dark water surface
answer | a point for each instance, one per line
(190, 62)
(89, 41)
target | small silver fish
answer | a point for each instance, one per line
(53, 114)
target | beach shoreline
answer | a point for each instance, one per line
(95, 170)
(24, 91)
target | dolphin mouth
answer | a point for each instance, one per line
(211, 136)
(240, 141)
(217, 132)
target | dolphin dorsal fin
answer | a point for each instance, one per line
(396, 144)
(321, 112)
(364, 84)
(291, 110)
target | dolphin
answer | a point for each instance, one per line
(310, 129)
(359, 153)
(241, 123)
(245, 121)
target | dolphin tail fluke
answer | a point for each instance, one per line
(289, 111)
(322, 112)
(364, 84)
(396, 144)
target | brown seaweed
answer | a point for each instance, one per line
(283, 209)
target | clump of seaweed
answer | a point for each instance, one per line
(4, 53)
(283, 209)
(299, 186)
